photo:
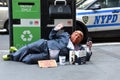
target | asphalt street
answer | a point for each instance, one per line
(104, 65)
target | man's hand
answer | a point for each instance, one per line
(58, 27)
(89, 44)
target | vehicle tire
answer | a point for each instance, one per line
(6, 26)
(82, 27)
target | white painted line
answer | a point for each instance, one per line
(4, 51)
(3, 30)
(94, 44)
(106, 44)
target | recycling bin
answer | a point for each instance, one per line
(24, 22)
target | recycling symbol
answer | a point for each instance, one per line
(26, 35)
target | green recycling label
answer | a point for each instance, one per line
(25, 35)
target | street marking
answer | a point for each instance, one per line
(3, 30)
(4, 51)
(104, 44)
(94, 45)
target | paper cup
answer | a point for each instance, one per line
(62, 60)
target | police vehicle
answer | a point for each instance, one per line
(101, 18)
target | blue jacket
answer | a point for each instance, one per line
(58, 41)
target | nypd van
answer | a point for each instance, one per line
(99, 18)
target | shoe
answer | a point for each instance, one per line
(13, 49)
(6, 57)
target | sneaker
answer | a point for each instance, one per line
(13, 49)
(6, 57)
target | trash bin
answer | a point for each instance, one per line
(24, 22)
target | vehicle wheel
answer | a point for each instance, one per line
(80, 26)
(6, 27)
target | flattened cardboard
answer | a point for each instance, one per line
(47, 63)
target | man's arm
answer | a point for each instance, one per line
(54, 31)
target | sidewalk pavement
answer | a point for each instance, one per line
(104, 65)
